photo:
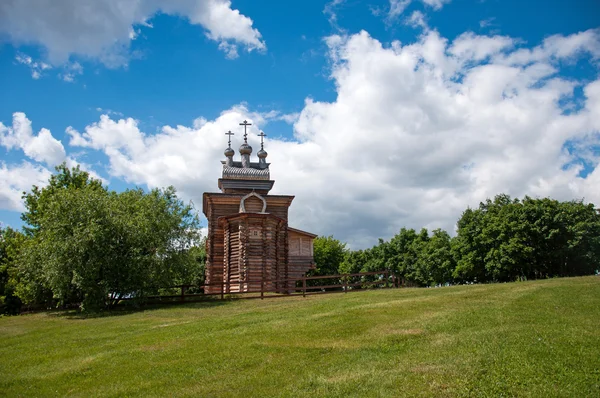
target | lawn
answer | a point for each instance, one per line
(538, 338)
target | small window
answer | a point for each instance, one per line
(255, 233)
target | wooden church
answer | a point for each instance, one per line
(250, 245)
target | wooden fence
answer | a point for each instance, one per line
(305, 286)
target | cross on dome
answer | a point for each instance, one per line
(245, 124)
(262, 135)
(229, 133)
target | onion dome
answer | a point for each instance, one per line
(245, 149)
(229, 152)
(262, 154)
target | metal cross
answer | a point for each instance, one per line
(262, 135)
(229, 133)
(245, 124)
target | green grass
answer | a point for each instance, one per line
(539, 339)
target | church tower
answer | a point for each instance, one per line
(250, 246)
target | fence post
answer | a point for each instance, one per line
(345, 283)
(304, 287)
(182, 293)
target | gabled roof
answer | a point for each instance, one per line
(298, 231)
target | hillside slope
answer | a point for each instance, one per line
(527, 339)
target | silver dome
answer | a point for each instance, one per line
(262, 154)
(245, 149)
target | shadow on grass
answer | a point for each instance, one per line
(127, 309)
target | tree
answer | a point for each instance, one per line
(507, 240)
(354, 261)
(37, 199)
(11, 243)
(94, 247)
(329, 254)
(402, 255)
(436, 262)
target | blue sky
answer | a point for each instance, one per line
(62, 68)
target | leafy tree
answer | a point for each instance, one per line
(94, 247)
(354, 261)
(506, 240)
(329, 254)
(37, 199)
(402, 255)
(435, 261)
(506, 235)
(467, 248)
(11, 243)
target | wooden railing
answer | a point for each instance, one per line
(283, 287)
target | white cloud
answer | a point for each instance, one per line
(36, 67)
(330, 10)
(289, 118)
(417, 133)
(71, 70)
(435, 4)
(103, 29)
(558, 47)
(484, 23)
(42, 147)
(14, 180)
(472, 47)
(417, 20)
(109, 112)
(188, 157)
(397, 7)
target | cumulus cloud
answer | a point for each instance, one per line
(186, 157)
(417, 133)
(558, 47)
(103, 29)
(15, 179)
(42, 147)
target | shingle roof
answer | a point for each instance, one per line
(250, 173)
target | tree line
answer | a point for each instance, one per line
(86, 246)
(502, 240)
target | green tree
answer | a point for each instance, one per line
(37, 199)
(435, 261)
(402, 255)
(508, 239)
(94, 247)
(329, 254)
(354, 261)
(11, 244)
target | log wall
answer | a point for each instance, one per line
(233, 254)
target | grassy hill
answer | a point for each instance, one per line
(539, 338)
